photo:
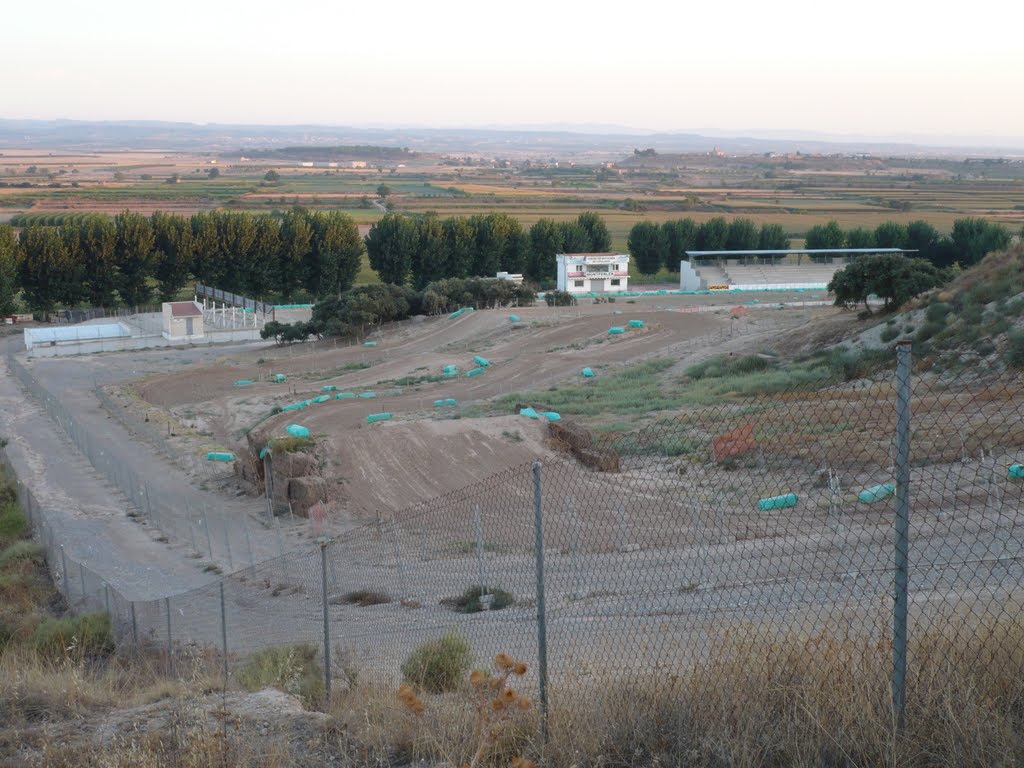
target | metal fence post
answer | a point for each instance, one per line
(135, 630)
(327, 626)
(899, 633)
(170, 648)
(81, 579)
(479, 530)
(542, 629)
(106, 596)
(206, 527)
(227, 542)
(64, 572)
(224, 633)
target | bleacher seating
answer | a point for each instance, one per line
(734, 273)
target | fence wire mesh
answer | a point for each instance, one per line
(774, 531)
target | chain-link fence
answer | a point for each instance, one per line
(854, 532)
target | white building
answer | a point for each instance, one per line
(593, 272)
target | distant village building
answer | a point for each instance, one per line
(357, 164)
(181, 320)
(515, 278)
(593, 272)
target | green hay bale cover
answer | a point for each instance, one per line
(777, 502)
(369, 343)
(297, 430)
(615, 330)
(529, 413)
(513, 318)
(587, 373)
(483, 362)
(374, 417)
(220, 456)
(329, 388)
(243, 382)
(280, 378)
(551, 415)
(876, 493)
(474, 372)
(344, 395)
(636, 323)
(367, 395)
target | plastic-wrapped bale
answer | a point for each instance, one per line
(876, 493)
(587, 373)
(551, 415)
(529, 413)
(450, 370)
(616, 311)
(297, 430)
(294, 406)
(636, 323)
(329, 388)
(483, 362)
(777, 502)
(1016, 471)
(280, 378)
(344, 395)
(474, 372)
(367, 395)
(447, 402)
(375, 417)
(243, 382)
(220, 456)
(321, 399)
(369, 343)
(513, 318)
(616, 330)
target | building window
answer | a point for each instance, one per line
(615, 281)
(577, 283)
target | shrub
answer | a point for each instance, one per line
(927, 330)
(292, 669)
(21, 550)
(1015, 349)
(365, 597)
(13, 523)
(469, 601)
(89, 633)
(438, 665)
(889, 333)
(559, 299)
(936, 313)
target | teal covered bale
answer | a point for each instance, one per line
(446, 402)
(876, 493)
(1017, 471)
(369, 343)
(474, 372)
(529, 413)
(344, 395)
(513, 318)
(777, 502)
(367, 395)
(321, 399)
(243, 382)
(636, 323)
(615, 330)
(220, 456)
(297, 430)
(294, 406)
(587, 373)
(551, 415)
(329, 388)
(483, 362)
(280, 378)
(375, 417)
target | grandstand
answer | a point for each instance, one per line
(761, 270)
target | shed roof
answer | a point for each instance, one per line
(185, 309)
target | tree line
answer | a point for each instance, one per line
(427, 248)
(653, 246)
(108, 262)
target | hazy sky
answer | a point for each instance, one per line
(894, 68)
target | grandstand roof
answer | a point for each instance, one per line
(833, 251)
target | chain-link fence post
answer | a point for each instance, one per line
(479, 530)
(224, 633)
(899, 634)
(542, 629)
(135, 630)
(170, 647)
(206, 527)
(327, 626)
(81, 581)
(64, 573)
(227, 541)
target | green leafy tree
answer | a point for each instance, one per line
(574, 237)
(236, 233)
(260, 273)
(545, 244)
(891, 234)
(272, 176)
(890, 276)
(207, 263)
(460, 240)
(828, 235)
(973, 238)
(773, 238)
(597, 231)
(681, 236)
(497, 244)
(743, 235)
(383, 191)
(8, 269)
(925, 239)
(213, 173)
(713, 234)
(391, 244)
(134, 256)
(98, 237)
(430, 260)
(336, 254)
(75, 288)
(860, 237)
(647, 246)
(44, 268)
(173, 252)
(296, 243)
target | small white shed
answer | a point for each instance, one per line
(182, 320)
